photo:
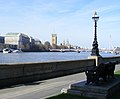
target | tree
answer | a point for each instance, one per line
(47, 45)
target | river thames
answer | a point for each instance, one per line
(26, 57)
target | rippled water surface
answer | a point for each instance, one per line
(25, 57)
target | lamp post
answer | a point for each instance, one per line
(95, 50)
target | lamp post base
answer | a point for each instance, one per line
(98, 59)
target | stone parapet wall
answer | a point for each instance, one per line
(25, 72)
(109, 59)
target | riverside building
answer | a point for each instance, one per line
(1, 43)
(2, 39)
(19, 39)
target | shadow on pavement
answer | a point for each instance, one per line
(23, 84)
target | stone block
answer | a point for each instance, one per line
(103, 91)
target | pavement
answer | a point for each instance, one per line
(117, 67)
(40, 89)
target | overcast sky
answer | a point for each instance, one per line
(70, 19)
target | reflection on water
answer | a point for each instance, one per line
(44, 56)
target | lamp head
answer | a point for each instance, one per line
(95, 17)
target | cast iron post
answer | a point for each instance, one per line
(95, 50)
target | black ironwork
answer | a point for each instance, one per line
(95, 50)
(104, 71)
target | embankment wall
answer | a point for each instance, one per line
(26, 72)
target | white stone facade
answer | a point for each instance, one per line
(21, 40)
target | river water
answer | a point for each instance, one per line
(26, 57)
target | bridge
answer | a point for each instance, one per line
(65, 50)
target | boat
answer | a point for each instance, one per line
(9, 50)
(78, 51)
(16, 51)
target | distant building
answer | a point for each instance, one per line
(54, 39)
(116, 50)
(1, 43)
(64, 42)
(37, 42)
(68, 44)
(32, 42)
(21, 40)
(39, 45)
(2, 39)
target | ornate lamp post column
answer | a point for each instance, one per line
(95, 50)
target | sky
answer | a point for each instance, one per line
(70, 19)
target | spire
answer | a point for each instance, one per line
(95, 13)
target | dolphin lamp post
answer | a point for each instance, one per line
(95, 50)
